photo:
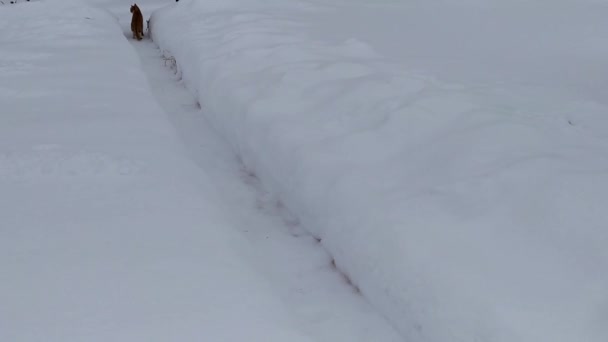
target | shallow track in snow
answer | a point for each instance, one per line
(321, 300)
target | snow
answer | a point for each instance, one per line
(125, 218)
(319, 170)
(450, 157)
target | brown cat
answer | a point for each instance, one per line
(137, 23)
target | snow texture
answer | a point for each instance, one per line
(452, 158)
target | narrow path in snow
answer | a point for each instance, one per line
(320, 298)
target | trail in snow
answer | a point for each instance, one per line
(301, 271)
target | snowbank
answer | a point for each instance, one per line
(108, 232)
(463, 212)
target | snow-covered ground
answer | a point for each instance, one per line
(123, 217)
(441, 164)
(452, 157)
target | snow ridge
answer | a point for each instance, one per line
(455, 208)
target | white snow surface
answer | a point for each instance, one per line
(451, 157)
(124, 217)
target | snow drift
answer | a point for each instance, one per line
(464, 211)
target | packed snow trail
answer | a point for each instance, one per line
(323, 302)
(110, 231)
